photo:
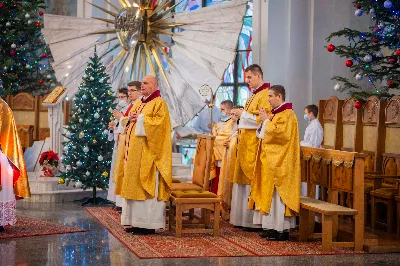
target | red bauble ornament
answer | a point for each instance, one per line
(358, 6)
(41, 13)
(37, 24)
(44, 55)
(391, 84)
(397, 52)
(392, 60)
(12, 52)
(1, 5)
(349, 63)
(330, 48)
(375, 40)
(357, 105)
(41, 81)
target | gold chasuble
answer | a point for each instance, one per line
(247, 138)
(221, 131)
(278, 163)
(11, 147)
(145, 155)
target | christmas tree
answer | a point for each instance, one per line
(24, 55)
(87, 151)
(373, 55)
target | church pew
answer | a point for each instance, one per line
(389, 148)
(336, 171)
(25, 134)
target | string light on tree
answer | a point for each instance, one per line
(378, 48)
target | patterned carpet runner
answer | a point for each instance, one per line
(233, 242)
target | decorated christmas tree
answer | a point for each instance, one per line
(373, 55)
(24, 55)
(87, 151)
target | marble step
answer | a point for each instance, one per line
(176, 158)
(60, 196)
(48, 184)
(181, 170)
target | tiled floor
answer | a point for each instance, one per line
(98, 247)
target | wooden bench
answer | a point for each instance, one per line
(335, 171)
(328, 212)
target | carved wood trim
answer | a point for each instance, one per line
(23, 102)
(330, 109)
(349, 111)
(44, 133)
(392, 111)
(371, 111)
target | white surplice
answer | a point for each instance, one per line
(149, 214)
(312, 138)
(276, 219)
(7, 198)
(118, 129)
(240, 214)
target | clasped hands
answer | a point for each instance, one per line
(264, 116)
(117, 114)
(133, 116)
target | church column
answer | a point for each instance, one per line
(84, 8)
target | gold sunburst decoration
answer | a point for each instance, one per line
(137, 26)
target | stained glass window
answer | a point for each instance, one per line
(188, 5)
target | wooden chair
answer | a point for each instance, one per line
(190, 196)
(25, 133)
(202, 166)
(336, 171)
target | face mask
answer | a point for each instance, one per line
(306, 117)
(223, 116)
(122, 103)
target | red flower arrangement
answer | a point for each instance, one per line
(49, 161)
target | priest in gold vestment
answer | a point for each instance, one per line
(147, 173)
(118, 126)
(13, 176)
(275, 188)
(221, 131)
(241, 216)
(228, 167)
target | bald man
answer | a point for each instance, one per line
(147, 174)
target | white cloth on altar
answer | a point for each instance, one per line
(149, 214)
(276, 219)
(240, 214)
(114, 136)
(8, 214)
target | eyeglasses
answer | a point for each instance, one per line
(133, 90)
(122, 97)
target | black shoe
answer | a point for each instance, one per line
(143, 231)
(269, 233)
(251, 229)
(279, 237)
(2, 229)
(130, 229)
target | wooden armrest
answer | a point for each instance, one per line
(381, 176)
(373, 173)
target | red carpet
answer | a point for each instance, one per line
(26, 227)
(233, 242)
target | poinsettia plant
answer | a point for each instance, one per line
(49, 161)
